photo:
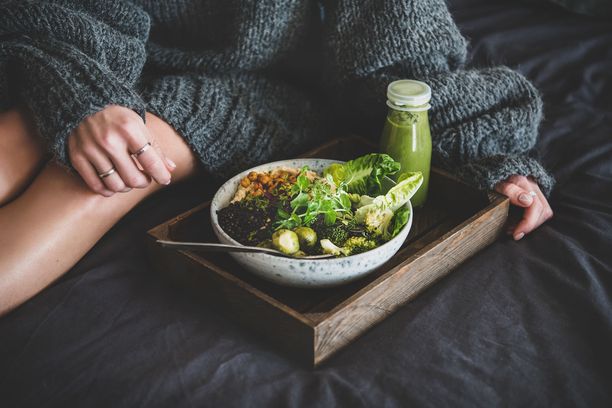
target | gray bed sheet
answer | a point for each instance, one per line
(520, 324)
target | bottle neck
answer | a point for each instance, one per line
(407, 108)
(407, 117)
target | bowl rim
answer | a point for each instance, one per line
(217, 226)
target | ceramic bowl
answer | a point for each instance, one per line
(296, 272)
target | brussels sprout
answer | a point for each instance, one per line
(307, 236)
(286, 241)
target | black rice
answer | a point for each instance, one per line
(247, 225)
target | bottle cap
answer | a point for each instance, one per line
(408, 94)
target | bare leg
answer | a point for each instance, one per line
(48, 228)
(21, 155)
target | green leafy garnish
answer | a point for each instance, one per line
(311, 199)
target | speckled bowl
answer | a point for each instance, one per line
(304, 273)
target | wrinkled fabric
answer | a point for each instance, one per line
(524, 323)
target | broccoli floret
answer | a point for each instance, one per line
(352, 246)
(337, 233)
(357, 245)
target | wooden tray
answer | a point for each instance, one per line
(312, 324)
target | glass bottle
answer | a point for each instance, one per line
(406, 136)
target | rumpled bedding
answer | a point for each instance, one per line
(525, 323)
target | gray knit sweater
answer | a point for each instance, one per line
(249, 81)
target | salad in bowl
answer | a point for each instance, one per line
(352, 210)
(346, 209)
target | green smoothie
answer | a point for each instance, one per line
(406, 136)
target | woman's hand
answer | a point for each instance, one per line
(101, 150)
(525, 192)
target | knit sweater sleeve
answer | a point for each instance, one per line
(484, 121)
(485, 126)
(67, 59)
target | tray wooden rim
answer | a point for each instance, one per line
(333, 322)
(495, 199)
(152, 233)
(399, 268)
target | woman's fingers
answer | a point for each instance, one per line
(525, 192)
(113, 152)
(90, 176)
(518, 196)
(104, 165)
(148, 157)
(85, 169)
(129, 173)
(107, 141)
(547, 212)
(153, 165)
(536, 213)
(530, 221)
(170, 165)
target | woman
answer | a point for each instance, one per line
(127, 96)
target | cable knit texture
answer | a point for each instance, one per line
(252, 81)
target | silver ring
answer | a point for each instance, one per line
(107, 173)
(143, 149)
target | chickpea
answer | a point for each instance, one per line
(252, 176)
(264, 179)
(245, 182)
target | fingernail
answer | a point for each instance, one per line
(125, 190)
(519, 236)
(171, 163)
(168, 182)
(525, 198)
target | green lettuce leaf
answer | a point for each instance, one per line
(363, 175)
(399, 221)
(377, 213)
(407, 186)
